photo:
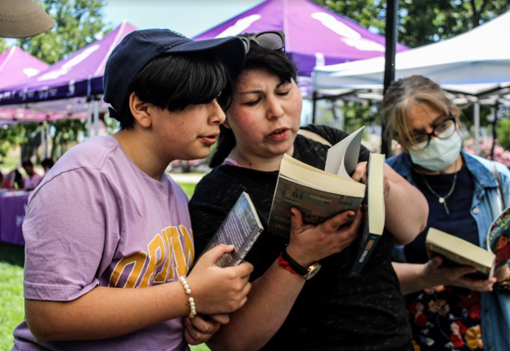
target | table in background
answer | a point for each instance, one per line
(12, 213)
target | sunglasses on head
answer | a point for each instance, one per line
(274, 40)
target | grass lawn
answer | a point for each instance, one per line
(11, 289)
(11, 292)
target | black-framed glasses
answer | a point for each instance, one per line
(443, 130)
(274, 40)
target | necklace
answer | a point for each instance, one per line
(442, 199)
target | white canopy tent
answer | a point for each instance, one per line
(475, 66)
(474, 63)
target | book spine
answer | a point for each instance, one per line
(367, 248)
(248, 247)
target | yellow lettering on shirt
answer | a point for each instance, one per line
(165, 258)
(156, 245)
(136, 261)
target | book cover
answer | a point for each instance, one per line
(240, 228)
(458, 251)
(318, 194)
(498, 238)
(374, 216)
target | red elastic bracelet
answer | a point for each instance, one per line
(285, 264)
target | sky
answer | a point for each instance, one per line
(189, 17)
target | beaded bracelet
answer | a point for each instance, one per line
(192, 307)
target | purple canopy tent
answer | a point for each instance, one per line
(16, 66)
(80, 75)
(68, 89)
(314, 35)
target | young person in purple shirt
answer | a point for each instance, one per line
(109, 244)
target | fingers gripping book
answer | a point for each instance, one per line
(240, 228)
(458, 251)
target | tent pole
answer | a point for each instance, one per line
(314, 106)
(389, 65)
(494, 128)
(476, 114)
(96, 115)
(47, 133)
(89, 116)
(43, 141)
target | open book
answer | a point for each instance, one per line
(240, 228)
(373, 226)
(318, 194)
(458, 251)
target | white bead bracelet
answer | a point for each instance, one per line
(192, 307)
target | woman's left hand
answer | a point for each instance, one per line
(436, 274)
(198, 330)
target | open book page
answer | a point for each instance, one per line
(498, 238)
(240, 228)
(343, 156)
(375, 215)
(459, 251)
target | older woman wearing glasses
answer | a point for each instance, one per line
(462, 193)
(287, 309)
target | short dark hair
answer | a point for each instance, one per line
(26, 163)
(273, 61)
(47, 162)
(176, 81)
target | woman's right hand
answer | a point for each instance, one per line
(310, 243)
(219, 290)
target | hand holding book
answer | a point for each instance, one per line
(309, 243)
(436, 274)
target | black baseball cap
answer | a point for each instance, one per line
(140, 47)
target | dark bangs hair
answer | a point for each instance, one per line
(176, 81)
(273, 61)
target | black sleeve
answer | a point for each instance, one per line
(208, 208)
(334, 135)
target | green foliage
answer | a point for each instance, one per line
(78, 23)
(503, 131)
(10, 136)
(65, 132)
(368, 13)
(3, 45)
(421, 22)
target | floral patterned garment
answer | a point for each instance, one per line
(445, 319)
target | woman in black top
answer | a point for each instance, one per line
(330, 311)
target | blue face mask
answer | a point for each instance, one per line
(439, 154)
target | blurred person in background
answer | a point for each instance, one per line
(46, 164)
(13, 180)
(33, 178)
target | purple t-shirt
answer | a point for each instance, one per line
(97, 219)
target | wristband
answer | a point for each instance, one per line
(292, 266)
(187, 290)
(289, 264)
